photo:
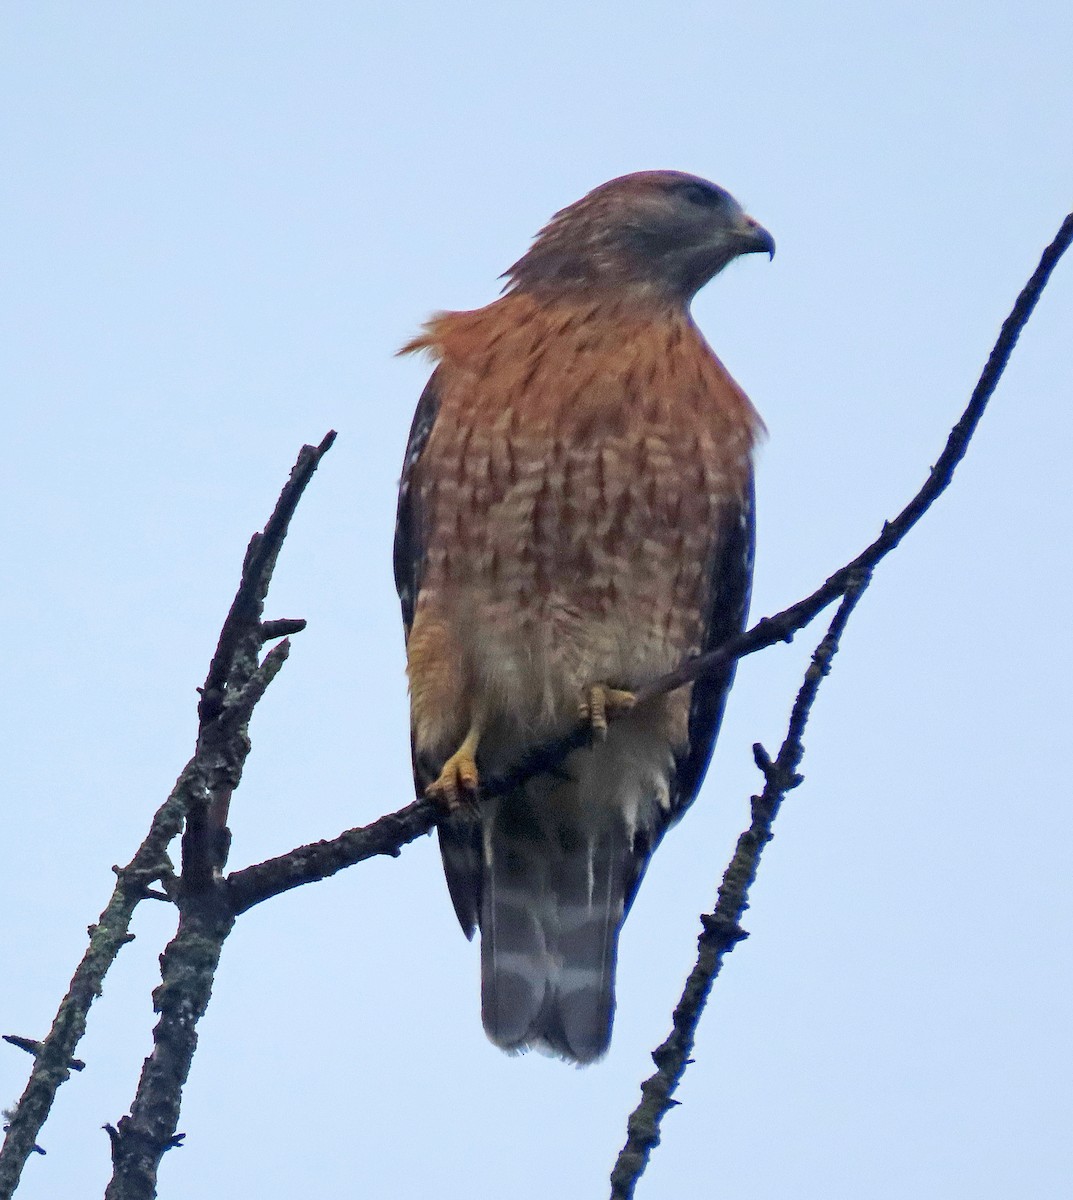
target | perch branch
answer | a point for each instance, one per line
(307, 864)
(320, 859)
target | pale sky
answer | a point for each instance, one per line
(219, 222)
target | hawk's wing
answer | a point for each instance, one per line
(460, 833)
(728, 607)
(409, 537)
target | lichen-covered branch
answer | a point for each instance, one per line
(32, 1046)
(188, 967)
(721, 929)
(52, 1060)
(236, 680)
(235, 668)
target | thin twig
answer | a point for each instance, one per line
(244, 618)
(721, 929)
(33, 1046)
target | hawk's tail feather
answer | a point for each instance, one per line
(552, 905)
(460, 849)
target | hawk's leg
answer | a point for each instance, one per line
(600, 703)
(458, 781)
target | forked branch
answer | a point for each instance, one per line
(235, 682)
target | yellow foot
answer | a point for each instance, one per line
(458, 781)
(600, 703)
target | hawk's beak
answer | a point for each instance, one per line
(756, 239)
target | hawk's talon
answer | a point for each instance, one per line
(599, 704)
(459, 780)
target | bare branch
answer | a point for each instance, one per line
(234, 651)
(236, 680)
(721, 930)
(284, 627)
(53, 1059)
(319, 860)
(188, 966)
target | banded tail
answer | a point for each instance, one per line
(551, 911)
(548, 874)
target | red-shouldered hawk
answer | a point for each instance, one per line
(575, 520)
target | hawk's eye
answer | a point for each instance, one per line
(702, 195)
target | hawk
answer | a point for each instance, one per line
(575, 519)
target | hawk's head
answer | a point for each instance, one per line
(662, 233)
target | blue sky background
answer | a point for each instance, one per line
(218, 223)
